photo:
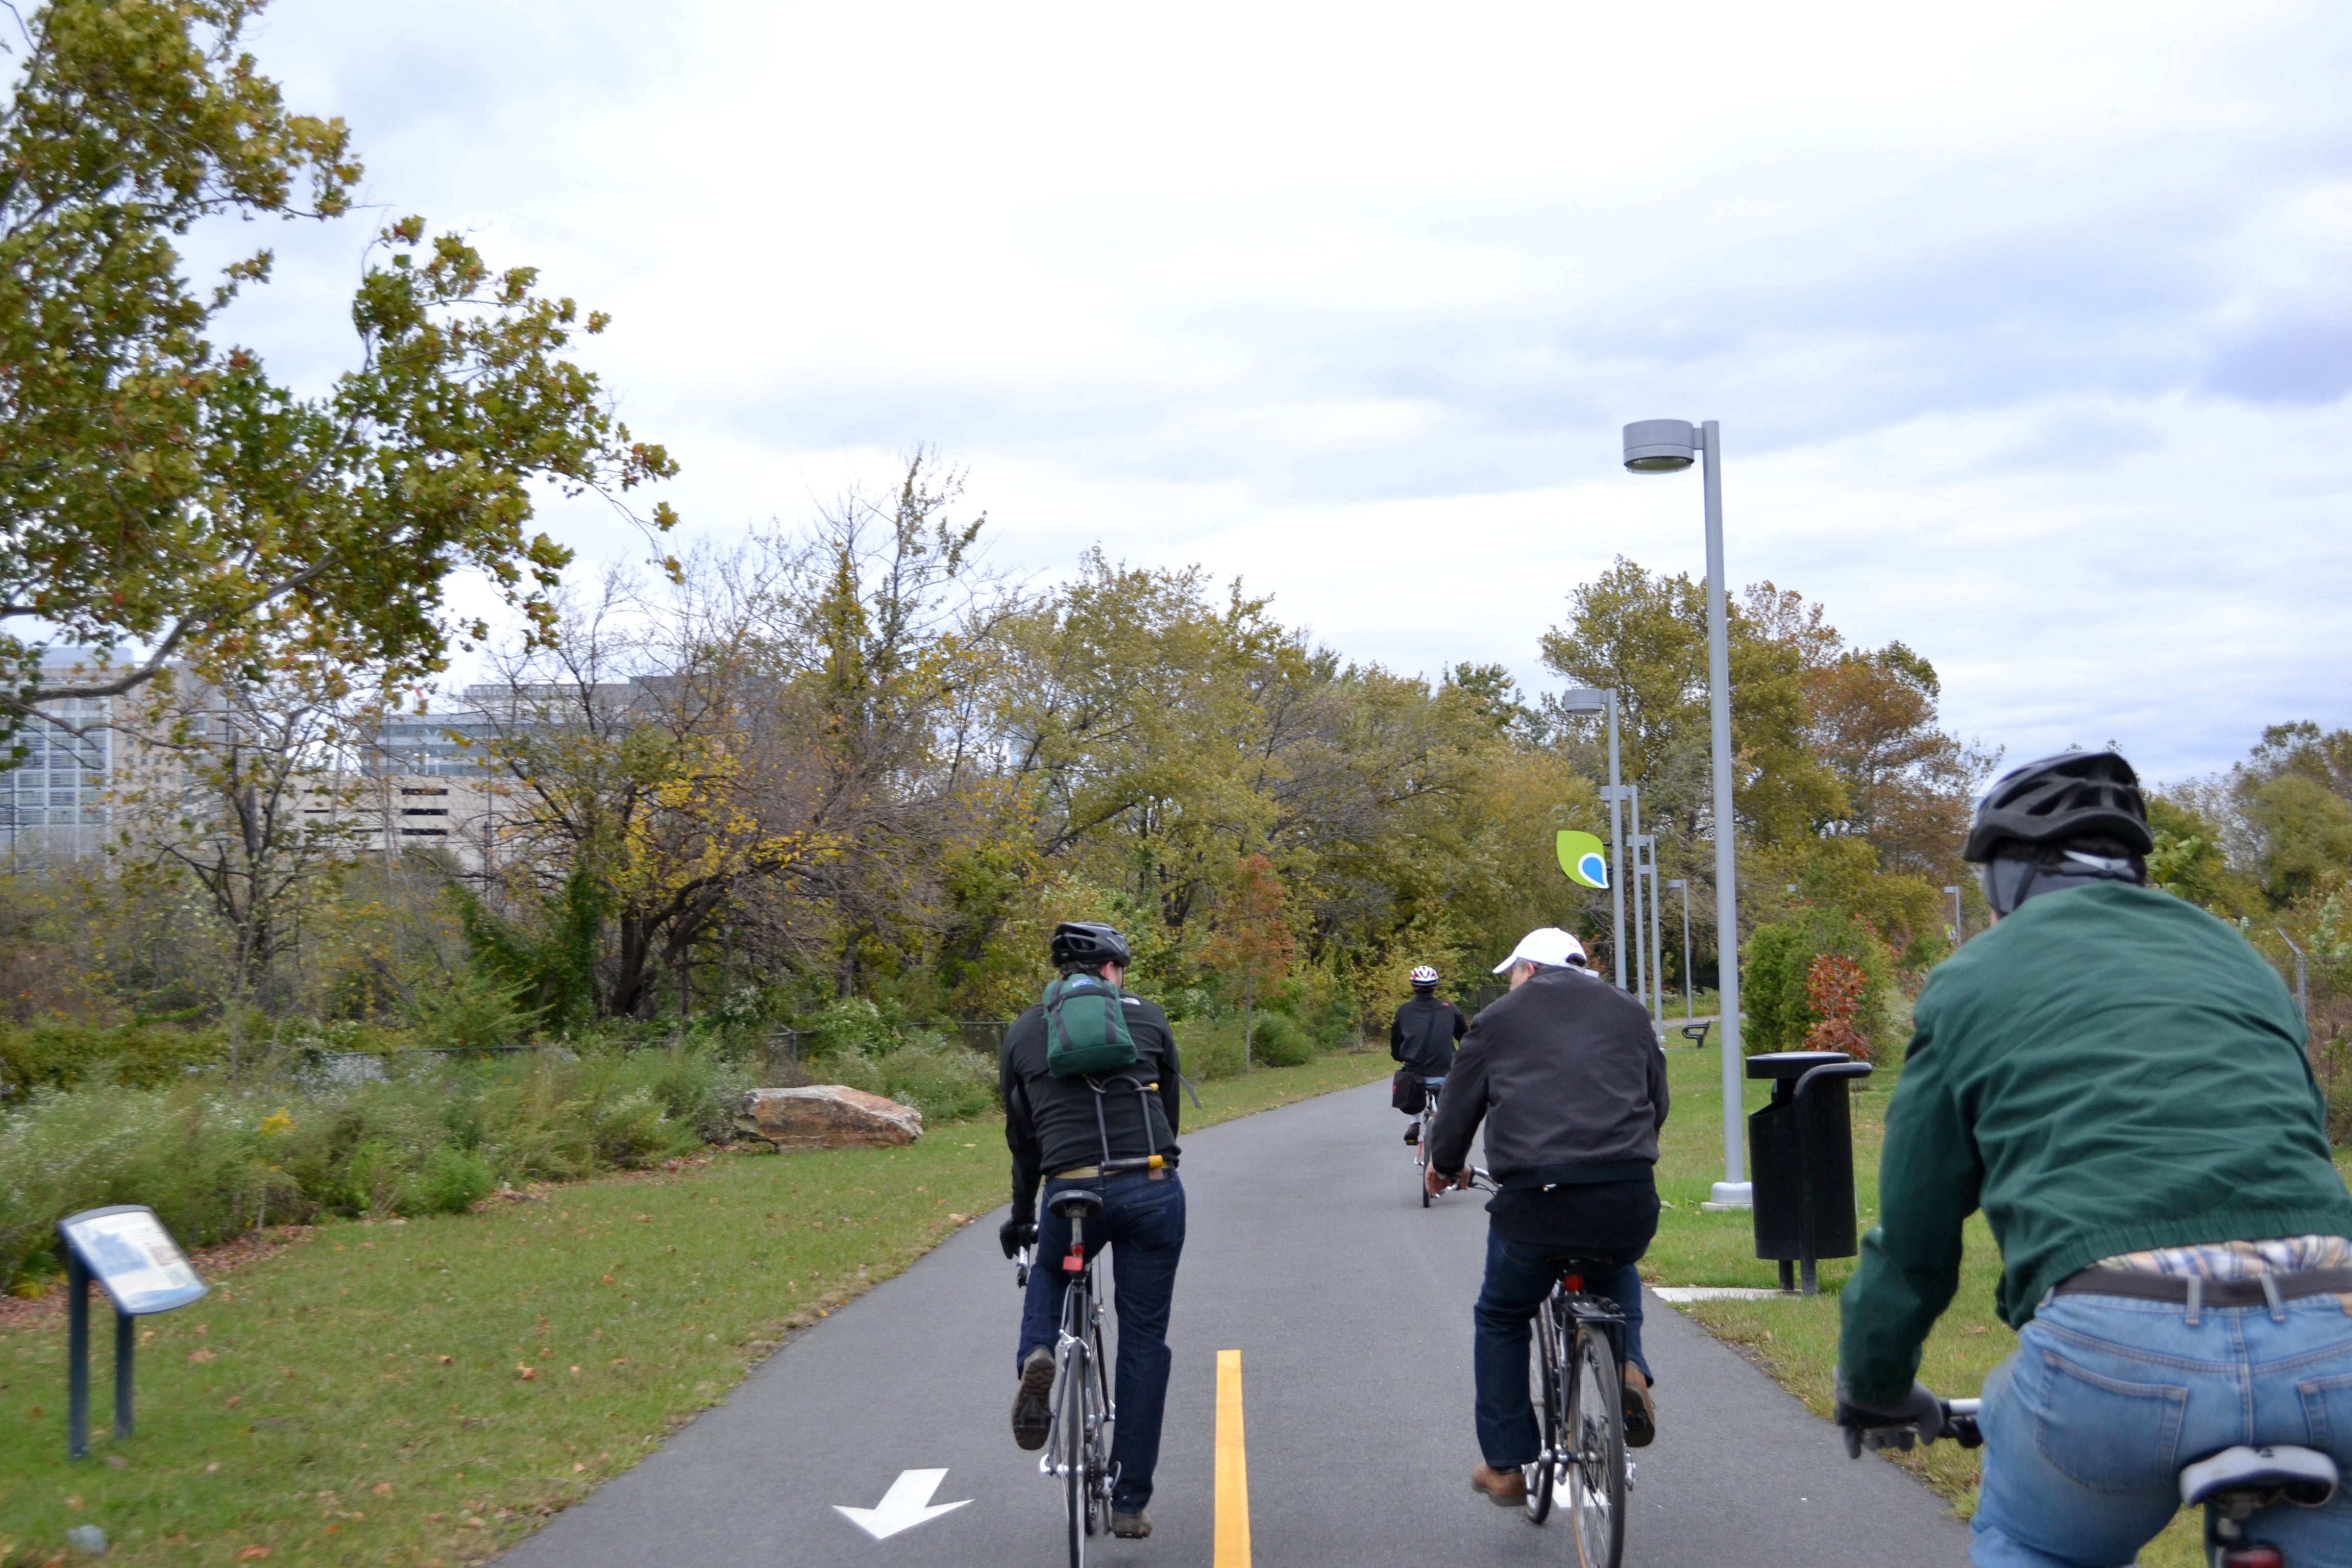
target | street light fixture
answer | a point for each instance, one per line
(1684, 883)
(1668, 445)
(1589, 699)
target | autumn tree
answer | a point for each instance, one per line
(1251, 948)
(160, 497)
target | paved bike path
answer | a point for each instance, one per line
(1351, 1306)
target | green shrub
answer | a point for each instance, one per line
(1777, 1014)
(452, 1182)
(62, 1056)
(945, 1081)
(1280, 1040)
(1211, 1050)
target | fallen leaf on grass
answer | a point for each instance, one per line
(446, 1360)
(527, 1373)
(200, 1354)
(575, 1372)
(643, 1218)
(382, 1489)
(255, 1553)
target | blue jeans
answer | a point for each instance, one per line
(2087, 1426)
(1518, 1277)
(1143, 1221)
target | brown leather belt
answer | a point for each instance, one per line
(2250, 1292)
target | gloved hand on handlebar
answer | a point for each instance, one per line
(1015, 1234)
(1919, 1417)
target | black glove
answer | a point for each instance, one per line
(1015, 1234)
(1920, 1417)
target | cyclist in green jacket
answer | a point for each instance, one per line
(2119, 1081)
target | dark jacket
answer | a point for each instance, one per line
(2108, 1070)
(1062, 1123)
(1423, 1034)
(1566, 1075)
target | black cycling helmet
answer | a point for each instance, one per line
(2080, 794)
(1089, 944)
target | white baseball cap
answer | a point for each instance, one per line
(1546, 945)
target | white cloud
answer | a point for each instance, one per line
(2027, 323)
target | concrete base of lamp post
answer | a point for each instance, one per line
(1731, 1195)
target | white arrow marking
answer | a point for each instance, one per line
(906, 1504)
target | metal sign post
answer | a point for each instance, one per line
(126, 1249)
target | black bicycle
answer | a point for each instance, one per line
(1580, 1401)
(1421, 1145)
(1077, 1445)
(2232, 1486)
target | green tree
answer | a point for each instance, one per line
(157, 491)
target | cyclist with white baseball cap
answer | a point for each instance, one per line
(1565, 1071)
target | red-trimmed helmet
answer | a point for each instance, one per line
(1425, 977)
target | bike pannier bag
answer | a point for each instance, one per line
(1408, 1093)
(1085, 1028)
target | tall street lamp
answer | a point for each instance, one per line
(1959, 933)
(1589, 699)
(1641, 930)
(1669, 446)
(1684, 883)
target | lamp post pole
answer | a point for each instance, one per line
(1586, 701)
(1665, 446)
(1959, 933)
(1641, 938)
(1657, 939)
(1684, 883)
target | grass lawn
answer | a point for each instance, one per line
(425, 1392)
(1796, 1340)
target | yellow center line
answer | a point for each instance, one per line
(1233, 1466)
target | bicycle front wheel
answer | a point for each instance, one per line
(1548, 1383)
(1596, 1471)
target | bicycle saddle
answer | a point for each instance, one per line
(2301, 1476)
(1077, 1203)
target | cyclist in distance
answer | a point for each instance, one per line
(2119, 1081)
(1063, 1128)
(1423, 1036)
(1566, 1073)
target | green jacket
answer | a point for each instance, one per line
(2106, 1071)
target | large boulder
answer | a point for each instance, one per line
(827, 1116)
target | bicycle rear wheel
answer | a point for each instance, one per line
(1549, 1379)
(1596, 1430)
(1072, 1441)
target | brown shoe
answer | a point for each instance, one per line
(1640, 1415)
(1504, 1489)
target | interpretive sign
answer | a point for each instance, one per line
(126, 1249)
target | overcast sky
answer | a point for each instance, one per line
(2030, 326)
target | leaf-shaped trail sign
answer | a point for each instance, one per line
(1580, 856)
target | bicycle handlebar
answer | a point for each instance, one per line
(1960, 1422)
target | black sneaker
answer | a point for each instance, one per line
(1032, 1411)
(1133, 1526)
(1413, 1133)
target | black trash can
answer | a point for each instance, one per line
(1801, 1158)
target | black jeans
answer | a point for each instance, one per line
(1143, 1221)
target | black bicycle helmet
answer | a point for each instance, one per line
(1088, 945)
(2079, 794)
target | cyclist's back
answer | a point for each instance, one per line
(2118, 1080)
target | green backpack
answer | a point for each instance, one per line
(1086, 1028)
